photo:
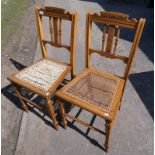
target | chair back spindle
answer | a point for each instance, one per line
(117, 39)
(111, 32)
(104, 37)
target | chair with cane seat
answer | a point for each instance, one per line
(44, 76)
(94, 90)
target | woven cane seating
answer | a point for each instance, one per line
(94, 90)
(44, 76)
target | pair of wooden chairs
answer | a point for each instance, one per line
(93, 90)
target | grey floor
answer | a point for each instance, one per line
(133, 130)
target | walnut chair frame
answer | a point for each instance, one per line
(55, 16)
(74, 94)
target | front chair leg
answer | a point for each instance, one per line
(72, 75)
(24, 105)
(120, 102)
(50, 107)
(119, 106)
(108, 126)
(62, 111)
(121, 98)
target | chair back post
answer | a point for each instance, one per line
(73, 44)
(135, 44)
(133, 50)
(88, 39)
(40, 31)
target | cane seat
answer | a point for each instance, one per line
(42, 74)
(94, 89)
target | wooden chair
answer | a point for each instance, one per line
(44, 76)
(97, 91)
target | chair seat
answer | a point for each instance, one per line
(42, 75)
(94, 88)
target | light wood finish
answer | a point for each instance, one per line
(117, 39)
(107, 133)
(73, 44)
(61, 109)
(32, 103)
(109, 55)
(56, 17)
(51, 28)
(55, 26)
(110, 38)
(50, 107)
(104, 37)
(37, 90)
(71, 92)
(17, 89)
(60, 30)
(89, 107)
(88, 38)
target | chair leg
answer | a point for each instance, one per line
(72, 75)
(24, 105)
(52, 112)
(120, 102)
(108, 126)
(61, 109)
(119, 106)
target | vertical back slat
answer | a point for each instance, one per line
(55, 25)
(111, 32)
(104, 36)
(60, 30)
(116, 39)
(51, 28)
(55, 17)
(115, 21)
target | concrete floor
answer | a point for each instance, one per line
(133, 130)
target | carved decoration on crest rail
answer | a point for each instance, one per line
(115, 16)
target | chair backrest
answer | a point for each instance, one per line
(112, 22)
(55, 17)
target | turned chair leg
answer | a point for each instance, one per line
(62, 111)
(50, 107)
(107, 134)
(24, 105)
